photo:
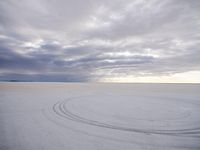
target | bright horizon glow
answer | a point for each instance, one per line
(187, 77)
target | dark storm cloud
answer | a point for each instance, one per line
(77, 40)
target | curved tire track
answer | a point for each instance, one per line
(60, 108)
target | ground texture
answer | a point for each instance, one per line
(80, 116)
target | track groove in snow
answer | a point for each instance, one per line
(60, 108)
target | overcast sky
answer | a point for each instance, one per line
(100, 40)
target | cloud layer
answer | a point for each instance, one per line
(90, 40)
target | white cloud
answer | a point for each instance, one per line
(97, 40)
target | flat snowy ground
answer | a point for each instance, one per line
(80, 116)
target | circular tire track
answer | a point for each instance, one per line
(60, 108)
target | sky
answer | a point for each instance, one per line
(100, 40)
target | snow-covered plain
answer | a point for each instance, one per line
(83, 116)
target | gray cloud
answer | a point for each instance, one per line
(89, 40)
